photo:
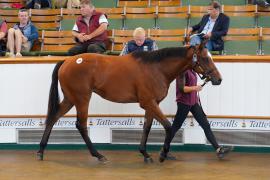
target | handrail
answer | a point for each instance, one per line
(32, 60)
(55, 59)
(140, 115)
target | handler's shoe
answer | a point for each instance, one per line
(223, 151)
(170, 157)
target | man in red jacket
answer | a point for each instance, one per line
(90, 30)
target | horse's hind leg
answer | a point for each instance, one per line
(81, 125)
(64, 107)
(146, 129)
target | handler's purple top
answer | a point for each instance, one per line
(187, 98)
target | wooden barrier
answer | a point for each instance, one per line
(54, 59)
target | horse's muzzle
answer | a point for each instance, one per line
(216, 81)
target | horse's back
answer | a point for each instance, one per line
(85, 62)
(92, 60)
(112, 77)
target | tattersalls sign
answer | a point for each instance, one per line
(252, 124)
(18, 123)
(134, 122)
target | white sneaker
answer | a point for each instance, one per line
(9, 54)
(18, 54)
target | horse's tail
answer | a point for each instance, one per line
(53, 105)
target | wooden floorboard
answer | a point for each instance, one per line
(65, 165)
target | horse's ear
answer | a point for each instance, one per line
(203, 44)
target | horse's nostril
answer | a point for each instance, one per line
(216, 81)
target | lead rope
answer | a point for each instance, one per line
(199, 99)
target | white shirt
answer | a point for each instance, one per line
(102, 19)
(209, 26)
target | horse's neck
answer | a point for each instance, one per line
(171, 68)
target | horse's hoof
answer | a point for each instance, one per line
(148, 160)
(40, 156)
(103, 160)
(162, 157)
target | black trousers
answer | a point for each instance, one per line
(43, 3)
(196, 110)
(261, 2)
(2, 48)
(98, 47)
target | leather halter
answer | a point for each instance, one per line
(205, 75)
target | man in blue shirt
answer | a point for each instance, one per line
(22, 35)
(213, 26)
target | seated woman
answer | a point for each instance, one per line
(139, 43)
(22, 35)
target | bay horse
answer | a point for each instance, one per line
(142, 77)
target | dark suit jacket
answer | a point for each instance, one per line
(220, 29)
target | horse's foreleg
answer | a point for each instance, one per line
(166, 147)
(65, 106)
(146, 129)
(153, 109)
(81, 125)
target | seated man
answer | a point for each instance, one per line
(139, 43)
(22, 35)
(90, 30)
(3, 33)
(212, 26)
(262, 3)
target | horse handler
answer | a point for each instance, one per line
(188, 101)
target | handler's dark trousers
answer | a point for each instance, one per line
(196, 110)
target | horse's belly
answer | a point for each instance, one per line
(119, 96)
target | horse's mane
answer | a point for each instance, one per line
(161, 54)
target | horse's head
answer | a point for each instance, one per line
(203, 64)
